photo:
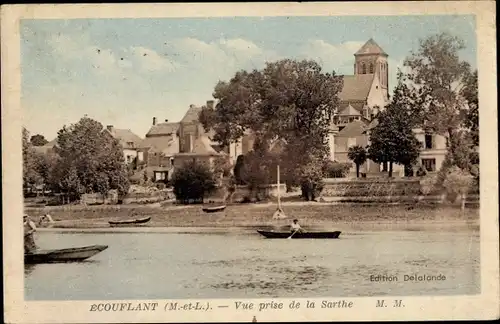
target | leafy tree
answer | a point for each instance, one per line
(471, 117)
(458, 182)
(288, 100)
(222, 167)
(38, 140)
(392, 140)
(192, 182)
(445, 87)
(90, 161)
(357, 154)
(30, 171)
(239, 169)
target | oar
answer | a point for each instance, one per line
(292, 234)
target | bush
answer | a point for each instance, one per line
(458, 182)
(333, 169)
(192, 182)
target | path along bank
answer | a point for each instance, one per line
(243, 217)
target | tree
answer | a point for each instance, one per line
(471, 117)
(31, 176)
(357, 154)
(90, 161)
(288, 100)
(445, 87)
(192, 182)
(38, 140)
(458, 182)
(392, 140)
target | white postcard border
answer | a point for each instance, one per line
(482, 306)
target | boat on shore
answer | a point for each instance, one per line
(300, 235)
(214, 209)
(63, 255)
(130, 221)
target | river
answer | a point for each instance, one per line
(237, 265)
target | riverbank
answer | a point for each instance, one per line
(321, 216)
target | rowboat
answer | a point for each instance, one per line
(130, 221)
(215, 209)
(63, 255)
(298, 235)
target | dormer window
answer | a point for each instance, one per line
(364, 68)
(130, 144)
(371, 68)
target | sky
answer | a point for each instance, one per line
(124, 72)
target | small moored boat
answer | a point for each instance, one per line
(130, 221)
(63, 255)
(214, 209)
(298, 235)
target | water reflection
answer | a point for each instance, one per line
(160, 265)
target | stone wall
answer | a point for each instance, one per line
(371, 187)
(131, 198)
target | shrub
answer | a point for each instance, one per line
(192, 182)
(458, 182)
(428, 184)
(333, 169)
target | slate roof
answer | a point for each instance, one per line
(125, 136)
(203, 146)
(162, 129)
(191, 115)
(166, 145)
(356, 87)
(371, 47)
(353, 129)
(349, 111)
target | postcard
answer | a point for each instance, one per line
(269, 162)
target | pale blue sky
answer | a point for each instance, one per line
(125, 71)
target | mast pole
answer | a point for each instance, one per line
(278, 188)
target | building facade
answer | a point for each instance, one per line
(363, 96)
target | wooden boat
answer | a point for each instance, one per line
(304, 235)
(215, 209)
(130, 221)
(63, 255)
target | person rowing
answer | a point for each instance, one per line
(46, 219)
(29, 230)
(295, 227)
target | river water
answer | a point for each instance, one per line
(237, 265)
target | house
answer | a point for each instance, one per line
(196, 143)
(159, 146)
(433, 151)
(49, 147)
(130, 142)
(363, 96)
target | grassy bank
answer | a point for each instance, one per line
(311, 215)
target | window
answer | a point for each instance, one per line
(364, 68)
(172, 162)
(130, 144)
(428, 141)
(371, 68)
(429, 164)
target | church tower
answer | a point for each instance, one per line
(372, 59)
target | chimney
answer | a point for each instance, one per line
(109, 128)
(154, 121)
(210, 104)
